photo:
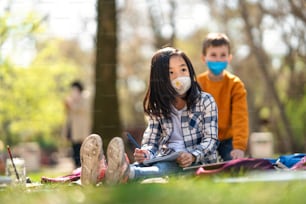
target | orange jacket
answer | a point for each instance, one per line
(230, 96)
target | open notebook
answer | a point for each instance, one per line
(169, 157)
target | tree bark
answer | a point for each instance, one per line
(106, 117)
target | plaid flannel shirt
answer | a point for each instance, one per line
(199, 127)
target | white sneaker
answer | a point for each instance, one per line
(91, 153)
(118, 163)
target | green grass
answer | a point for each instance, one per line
(177, 190)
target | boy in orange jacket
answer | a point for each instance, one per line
(230, 95)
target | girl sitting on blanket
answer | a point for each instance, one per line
(181, 118)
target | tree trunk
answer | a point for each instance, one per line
(106, 115)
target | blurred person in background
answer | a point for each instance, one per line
(78, 120)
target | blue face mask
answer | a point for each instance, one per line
(216, 67)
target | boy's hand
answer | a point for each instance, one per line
(237, 154)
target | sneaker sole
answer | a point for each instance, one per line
(91, 154)
(115, 157)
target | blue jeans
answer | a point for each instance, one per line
(224, 149)
(158, 170)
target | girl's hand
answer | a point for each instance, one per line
(141, 154)
(185, 159)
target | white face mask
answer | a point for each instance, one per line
(181, 84)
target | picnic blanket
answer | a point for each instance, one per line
(291, 162)
(237, 166)
(286, 162)
(74, 176)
